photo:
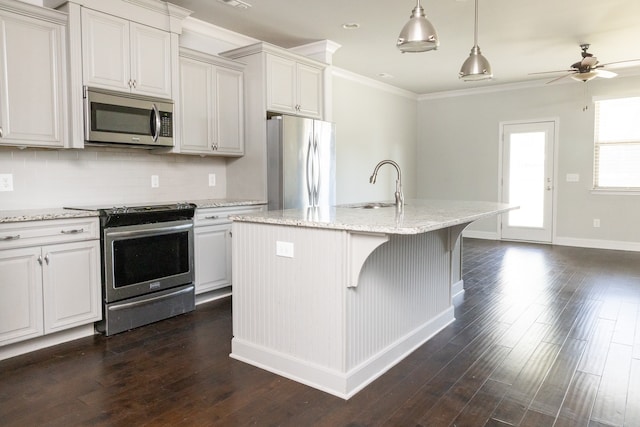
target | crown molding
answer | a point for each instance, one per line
(367, 81)
(209, 30)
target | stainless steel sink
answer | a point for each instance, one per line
(372, 205)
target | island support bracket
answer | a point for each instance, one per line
(360, 246)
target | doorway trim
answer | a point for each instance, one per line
(556, 144)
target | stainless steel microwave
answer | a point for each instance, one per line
(122, 118)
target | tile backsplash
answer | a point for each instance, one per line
(55, 178)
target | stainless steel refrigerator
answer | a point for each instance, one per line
(301, 163)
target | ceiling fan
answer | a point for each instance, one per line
(589, 68)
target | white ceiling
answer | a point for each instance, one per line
(517, 36)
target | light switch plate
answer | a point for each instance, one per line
(212, 180)
(155, 181)
(284, 249)
(573, 177)
(6, 182)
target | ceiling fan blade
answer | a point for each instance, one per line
(559, 78)
(621, 64)
(589, 61)
(606, 74)
(550, 72)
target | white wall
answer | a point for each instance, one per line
(458, 153)
(373, 122)
(57, 178)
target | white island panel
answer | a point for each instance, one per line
(299, 317)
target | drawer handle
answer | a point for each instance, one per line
(212, 217)
(74, 231)
(16, 237)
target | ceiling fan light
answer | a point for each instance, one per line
(475, 67)
(418, 34)
(584, 77)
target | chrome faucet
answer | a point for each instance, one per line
(398, 194)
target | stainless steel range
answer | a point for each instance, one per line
(147, 264)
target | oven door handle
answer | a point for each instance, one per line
(151, 231)
(126, 305)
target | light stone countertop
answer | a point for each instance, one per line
(21, 215)
(224, 203)
(417, 216)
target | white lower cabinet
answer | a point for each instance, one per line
(213, 257)
(213, 246)
(49, 287)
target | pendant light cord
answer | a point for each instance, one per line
(475, 31)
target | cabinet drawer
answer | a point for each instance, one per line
(31, 233)
(213, 216)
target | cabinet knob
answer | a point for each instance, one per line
(1, 134)
(135, 83)
(40, 259)
(47, 258)
(211, 217)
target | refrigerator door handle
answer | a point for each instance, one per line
(317, 171)
(310, 172)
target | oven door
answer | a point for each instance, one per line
(140, 259)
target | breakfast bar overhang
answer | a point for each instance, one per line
(333, 297)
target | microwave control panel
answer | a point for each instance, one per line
(166, 124)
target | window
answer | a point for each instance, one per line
(617, 144)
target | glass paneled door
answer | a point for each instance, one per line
(527, 180)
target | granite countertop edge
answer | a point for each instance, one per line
(420, 216)
(46, 214)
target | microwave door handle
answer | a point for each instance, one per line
(156, 122)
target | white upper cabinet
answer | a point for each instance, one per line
(32, 78)
(127, 56)
(293, 87)
(211, 105)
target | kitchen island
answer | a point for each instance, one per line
(333, 297)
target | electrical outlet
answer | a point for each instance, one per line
(6, 182)
(596, 222)
(155, 181)
(284, 249)
(212, 180)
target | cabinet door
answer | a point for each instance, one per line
(150, 61)
(196, 105)
(71, 283)
(309, 91)
(32, 95)
(229, 108)
(105, 51)
(281, 84)
(212, 257)
(20, 295)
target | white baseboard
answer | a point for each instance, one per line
(457, 288)
(34, 344)
(615, 245)
(598, 244)
(340, 384)
(213, 295)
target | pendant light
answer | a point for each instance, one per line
(418, 35)
(476, 66)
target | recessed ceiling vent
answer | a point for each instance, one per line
(236, 3)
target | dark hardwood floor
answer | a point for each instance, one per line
(544, 336)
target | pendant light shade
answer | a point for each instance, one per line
(475, 67)
(418, 35)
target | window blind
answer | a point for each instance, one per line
(617, 144)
